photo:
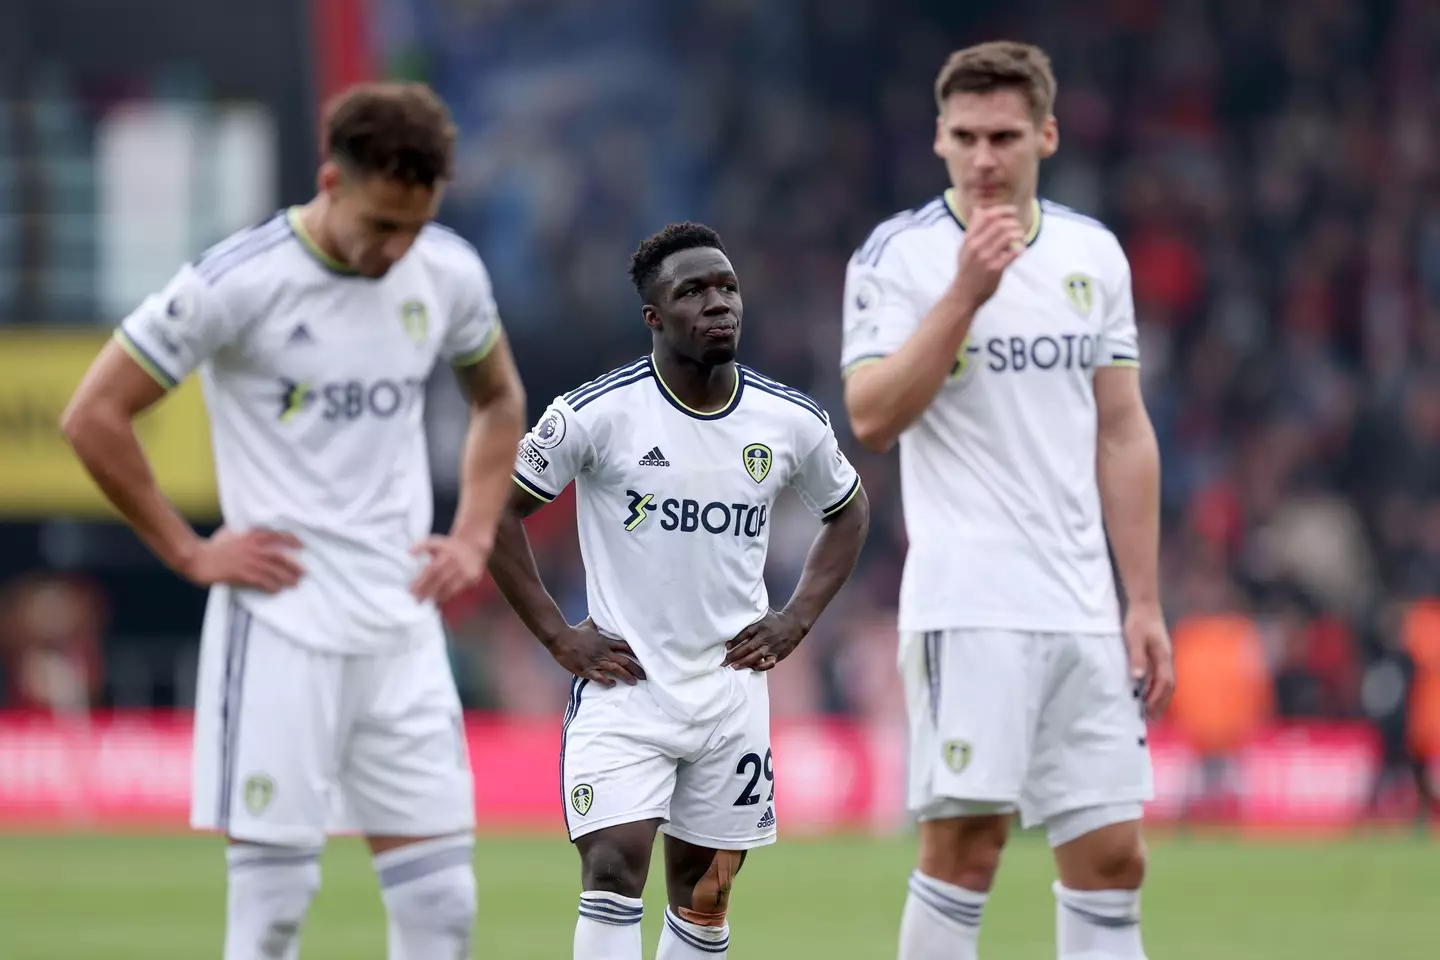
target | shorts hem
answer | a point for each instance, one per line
(968, 796)
(411, 829)
(1035, 815)
(1064, 828)
(717, 843)
(280, 836)
(930, 815)
(590, 826)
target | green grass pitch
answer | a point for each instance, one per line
(114, 897)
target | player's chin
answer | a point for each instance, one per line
(717, 350)
(991, 194)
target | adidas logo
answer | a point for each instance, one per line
(768, 820)
(301, 334)
(654, 459)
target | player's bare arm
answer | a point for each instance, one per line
(497, 422)
(1128, 468)
(829, 564)
(580, 649)
(883, 398)
(99, 424)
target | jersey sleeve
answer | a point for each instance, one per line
(1119, 339)
(825, 480)
(172, 332)
(879, 310)
(474, 327)
(555, 451)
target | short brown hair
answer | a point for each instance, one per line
(400, 131)
(1000, 65)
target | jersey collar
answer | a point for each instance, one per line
(297, 227)
(952, 204)
(669, 395)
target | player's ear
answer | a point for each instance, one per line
(651, 315)
(1049, 138)
(939, 145)
(329, 178)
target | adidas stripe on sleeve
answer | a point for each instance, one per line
(825, 480)
(473, 332)
(1119, 338)
(880, 312)
(556, 451)
(172, 332)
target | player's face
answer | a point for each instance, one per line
(374, 221)
(698, 306)
(992, 148)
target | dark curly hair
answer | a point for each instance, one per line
(645, 264)
(399, 131)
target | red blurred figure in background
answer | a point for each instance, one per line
(50, 630)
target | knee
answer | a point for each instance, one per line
(452, 908)
(964, 851)
(1121, 866)
(1099, 848)
(446, 904)
(430, 886)
(614, 867)
(1109, 859)
(710, 901)
(270, 889)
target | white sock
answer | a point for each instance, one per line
(941, 921)
(269, 894)
(683, 940)
(609, 927)
(1097, 924)
(429, 893)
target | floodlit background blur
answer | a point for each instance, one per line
(1272, 169)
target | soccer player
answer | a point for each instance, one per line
(324, 686)
(993, 335)
(678, 459)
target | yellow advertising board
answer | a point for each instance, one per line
(39, 473)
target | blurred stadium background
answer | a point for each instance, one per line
(1273, 170)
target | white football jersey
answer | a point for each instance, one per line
(1002, 505)
(314, 379)
(674, 508)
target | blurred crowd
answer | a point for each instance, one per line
(1272, 170)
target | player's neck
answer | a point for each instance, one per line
(313, 222)
(698, 386)
(964, 209)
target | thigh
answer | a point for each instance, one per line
(267, 732)
(1090, 743)
(725, 790)
(618, 754)
(406, 769)
(971, 697)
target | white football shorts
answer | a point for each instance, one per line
(293, 743)
(1043, 723)
(624, 759)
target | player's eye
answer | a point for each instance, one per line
(730, 287)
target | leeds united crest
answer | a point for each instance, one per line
(757, 461)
